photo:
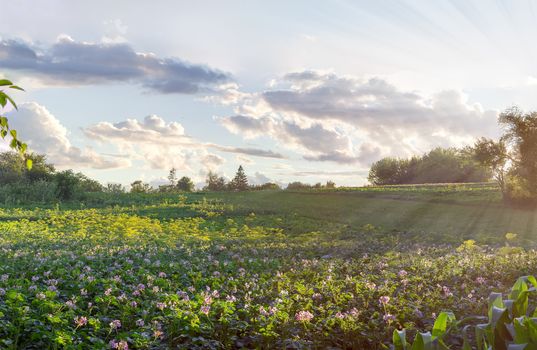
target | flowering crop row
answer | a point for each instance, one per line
(98, 279)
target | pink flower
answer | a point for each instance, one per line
(205, 309)
(303, 316)
(388, 318)
(115, 324)
(80, 321)
(402, 273)
(158, 333)
(140, 322)
(446, 291)
(371, 285)
(121, 345)
(480, 280)
(384, 299)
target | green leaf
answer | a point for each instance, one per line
(399, 339)
(3, 99)
(441, 324)
(4, 82)
(520, 286)
(12, 102)
(16, 87)
(495, 299)
(422, 341)
(481, 331)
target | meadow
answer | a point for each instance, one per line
(338, 269)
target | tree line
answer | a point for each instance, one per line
(511, 161)
(213, 183)
(440, 165)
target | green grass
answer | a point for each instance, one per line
(441, 214)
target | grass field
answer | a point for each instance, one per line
(328, 269)
(436, 214)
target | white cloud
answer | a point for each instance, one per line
(162, 145)
(258, 179)
(343, 119)
(44, 133)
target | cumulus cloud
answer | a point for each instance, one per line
(345, 119)
(153, 129)
(318, 142)
(81, 63)
(258, 179)
(45, 134)
(164, 144)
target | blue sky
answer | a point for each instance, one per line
(294, 91)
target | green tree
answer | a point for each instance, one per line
(13, 168)
(214, 182)
(298, 186)
(185, 184)
(139, 186)
(240, 181)
(520, 136)
(330, 184)
(114, 188)
(66, 184)
(86, 184)
(172, 177)
(493, 154)
(266, 186)
(440, 165)
(5, 129)
(386, 171)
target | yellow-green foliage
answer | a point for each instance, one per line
(183, 273)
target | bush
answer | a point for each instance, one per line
(441, 165)
(28, 192)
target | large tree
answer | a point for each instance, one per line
(185, 184)
(240, 181)
(13, 168)
(493, 154)
(214, 182)
(139, 186)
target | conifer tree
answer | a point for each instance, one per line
(240, 181)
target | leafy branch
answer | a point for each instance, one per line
(5, 130)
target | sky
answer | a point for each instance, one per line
(304, 91)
